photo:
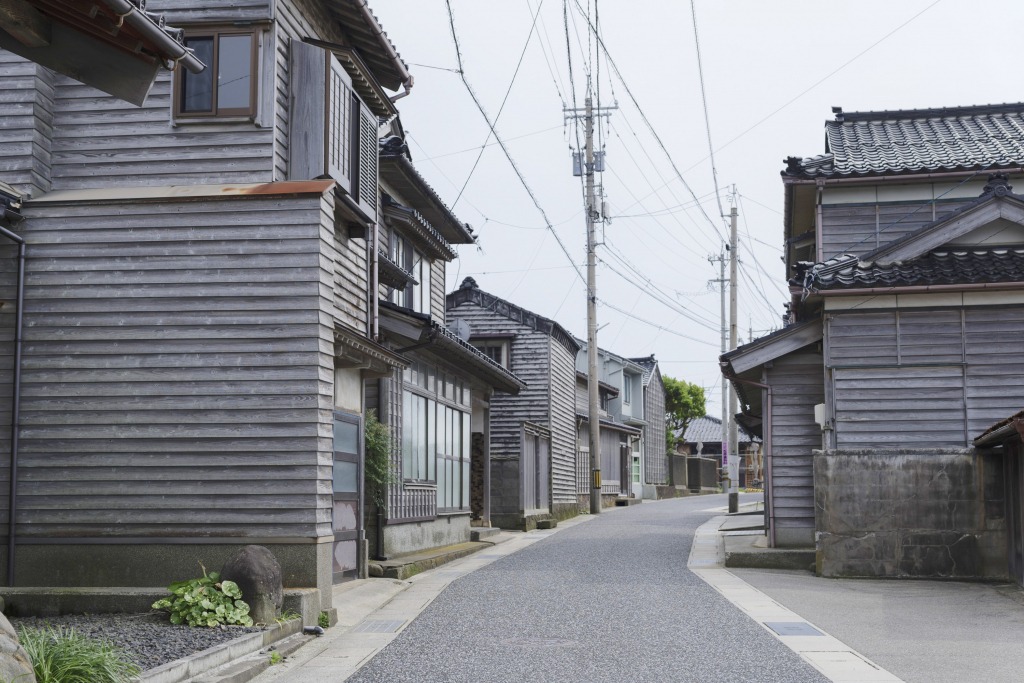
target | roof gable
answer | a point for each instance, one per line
(984, 221)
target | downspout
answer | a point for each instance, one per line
(767, 422)
(138, 20)
(16, 400)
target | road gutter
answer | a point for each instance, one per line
(836, 661)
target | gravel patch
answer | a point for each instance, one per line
(148, 639)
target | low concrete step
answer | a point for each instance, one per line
(407, 566)
(547, 523)
(482, 533)
(624, 502)
(250, 667)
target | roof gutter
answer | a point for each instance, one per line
(918, 289)
(407, 79)
(141, 22)
(893, 178)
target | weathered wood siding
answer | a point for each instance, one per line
(655, 456)
(437, 287)
(181, 14)
(346, 262)
(530, 361)
(924, 378)
(562, 385)
(859, 228)
(26, 124)
(178, 370)
(797, 386)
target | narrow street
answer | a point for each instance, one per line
(607, 600)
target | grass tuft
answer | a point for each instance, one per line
(62, 655)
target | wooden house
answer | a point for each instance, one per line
(186, 362)
(532, 465)
(438, 407)
(620, 385)
(906, 242)
(655, 467)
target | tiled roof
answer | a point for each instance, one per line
(922, 140)
(648, 363)
(947, 266)
(708, 429)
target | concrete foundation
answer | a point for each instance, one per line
(414, 537)
(910, 513)
(303, 565)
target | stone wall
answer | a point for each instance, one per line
(910, 513)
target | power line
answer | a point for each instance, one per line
(704, 100)
(652, 324)
(504, 148)
(529, 37)
(650, 126)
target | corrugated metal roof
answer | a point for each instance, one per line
(916, 141)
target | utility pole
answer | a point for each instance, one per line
(734, 455)
(725, 385)
(593, 215)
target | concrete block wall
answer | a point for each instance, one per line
(909, 513)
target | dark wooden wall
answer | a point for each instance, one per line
(176, 377)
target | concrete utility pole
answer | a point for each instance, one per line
(725, 385)
(734, 455)
(593, 378)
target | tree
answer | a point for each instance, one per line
(683, 402)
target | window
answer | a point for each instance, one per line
(496, 350)
(415, 296)
(436, 434)
(627, 389)
(227, 87)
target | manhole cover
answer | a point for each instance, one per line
(540, 643)
(793, 628)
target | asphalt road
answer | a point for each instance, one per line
(607, 600)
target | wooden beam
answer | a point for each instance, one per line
(26, 24)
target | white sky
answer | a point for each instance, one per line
(772, 71)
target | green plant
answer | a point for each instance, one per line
(275, 657)
(62, 655)
(206, 601)
(378, 469)
(288, 615)
(324, 620)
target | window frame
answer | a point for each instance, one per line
(487, 346)
(215, 33)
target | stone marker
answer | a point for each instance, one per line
(14, 662)
(258, 575)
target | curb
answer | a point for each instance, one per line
(188, 668)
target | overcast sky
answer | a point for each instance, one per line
(772, 70)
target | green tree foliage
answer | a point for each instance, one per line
(378, 470)
(683, 402)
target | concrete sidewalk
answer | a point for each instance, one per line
(872, 630)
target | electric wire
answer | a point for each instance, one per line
(650, 126)
(655, 325)
(704, 101)
(508, 91)
(504, 148)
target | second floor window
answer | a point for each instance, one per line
(414, 296)
(227, 87)
(627, 389)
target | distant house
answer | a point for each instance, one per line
(703, 437)
(655, 467)
(906, 244)
(621, 419)
(532, 466)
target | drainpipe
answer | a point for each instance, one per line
(16, 397)
(767, 422)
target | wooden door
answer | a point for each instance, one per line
(348, 495)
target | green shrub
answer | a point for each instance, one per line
(378, 470)
(62, 655)
(207, 601)
(324, 620)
